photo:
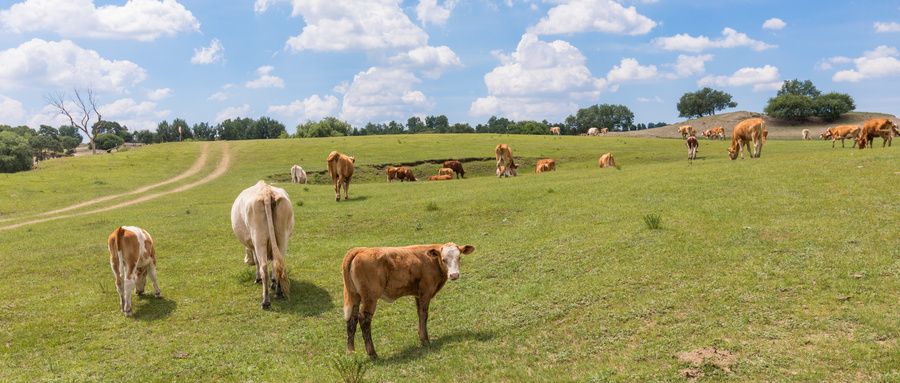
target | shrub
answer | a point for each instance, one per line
(653, 221)
(108, 141)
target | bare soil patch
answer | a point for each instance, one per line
(721, 359)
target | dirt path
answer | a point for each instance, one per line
(221, 168)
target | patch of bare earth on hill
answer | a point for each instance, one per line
(710, 356)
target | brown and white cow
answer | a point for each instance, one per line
(842, 132)
(440, 178)
(747, 131)
(555, 130)
(298, 175)
(132, 258)
(876, 127)
(707, 133)
(604, 130)
(686, 131)
(805, 134)
(340, 167)
(405, 174)
(388, 273)
(718, 132)
(607, 160)
(593, 132)
(505, 163)
(262, 219)
(692, 145)
(391, 174)
(457, 168)
(548, 164)
(445, 172)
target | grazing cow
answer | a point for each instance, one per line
(132, 258)
(391, 174)
(692, 145)
(445, 172)
(593, 132)
(340, 167)
(686, 131)
(707, 133)
(842, 132)
(457, 167)
(583, 134)
(548, 162)
(262, 219)
(805, 133)
(405, 174)
(718, 132)
(298, 176)
(541, 168)
(876, 127)
(440, 178)
(607, 160)
(604, 130)
(747, 131)
(555, 130)
(505, 163)
(388, 273)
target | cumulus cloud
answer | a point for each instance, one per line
(431, 61)
(265, 80)
(143, 20)
(765, 78)
(233, 113)
(687, 66)
(630, 70)
(211, 54)
(655, 99)
(12, 112)
(522, 108)
(134, 115)
(380, 94)
(311, 108)
(886, 27)
(38, 63)
(774, 23)
(159, 94)
(881, 62)
(730, 39)
(351, 25)
(221, 96)
(428, 11)
(605, 16)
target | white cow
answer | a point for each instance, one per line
(593, 132)
(132, 258)
(262, 219)
(298, 176)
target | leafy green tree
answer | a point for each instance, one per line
(70, 131)
(415, 125)
(49, 131)
(706, 101)
(528, 127)
(69, 144)
(800, 88)
(612, 117)
(233, 129)
(186, 133)
(15, 152)
(115, 128)
(146, 137)
(461, 127)
(204, 132)
(496, 125)
(327, 127)
(44, 147)
(264, 128)
(793, 107)
(830, 106)
(798, 100)
(108, 141)
(438, 124)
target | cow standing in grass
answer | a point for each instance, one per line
(607, 160)
(545, 165)
(340, 167)
(132, 258)
(747, 131)
(692, 145)
(457, 168)
(505, 163)
(876, 127)
(298, 176)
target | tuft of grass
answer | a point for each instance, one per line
(306, 189)
(350, 369)
(431, 206)
(551, 191)
(653, 221)
(299, 203)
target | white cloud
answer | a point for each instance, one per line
(12, 112)
(351, 25)
(38, 63)
(764, 78)
(311, 108)
(731, 39)
(221, 96)
(265, 80)
(143, 20)
(431, 61)
(136, 116)
(774, 23)
(655, 99)
(383, 94)
(522, 108)
(233, 113)
(159, 94)
(882, 62)
(886, 27)
(49, 115)
(208, 55)
(428, 11)
(687, 66)
(630, 70)
(593, 16)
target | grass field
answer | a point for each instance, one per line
(787, 265)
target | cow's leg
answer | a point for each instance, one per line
(346, 182)
(151, 273)
(365, 324)
(337, 188)
(120, 288)
(351, 316)
(262, 270)
(128, 289)
(422, 310)
(499, 170)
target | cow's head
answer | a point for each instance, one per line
(514, 169)
(861, 142)
(733, 153)
(450, 254)
(826, 135)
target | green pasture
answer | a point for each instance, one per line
(789, 263)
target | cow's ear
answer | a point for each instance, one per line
(434, 253)
(467, 249)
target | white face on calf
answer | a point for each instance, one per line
(451, 254)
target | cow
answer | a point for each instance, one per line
(262, 219)
(340, 167)
(692, 145)
(604, 130)
(457, 168)
(505, 163)
(707, 133)
(842, 132)
(765, 135)
(607, 160)
(440, 178)
(805, 134)
(405, 174)
(298, 176)
(445, 172)
(132, 258)
(747, 131)
(549, 165)
(686, 131)
(583, 134)
(388, 273)
(555, 130)
(593, 132)
(718, 132)
(876, 127)
(391, 174)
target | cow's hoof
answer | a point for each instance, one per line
(373, 355)
(158, 295)
(258, 281)
(139, 292)
(266, 306)
(279, 295)
(129, 313)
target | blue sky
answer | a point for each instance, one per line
(383, 60)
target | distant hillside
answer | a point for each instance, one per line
(777, 128)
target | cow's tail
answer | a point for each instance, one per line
(349, 287)
(332, 156)
(278, 269)
(115, 249)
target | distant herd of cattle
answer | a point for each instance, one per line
(262, 218)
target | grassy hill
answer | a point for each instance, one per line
(779, 268)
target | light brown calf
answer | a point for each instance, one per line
(692, 145)
(607, 160)
(440, 178)
(405, 174)
(340, 167)
(747, 131)
(132, 258)
(549, 163)
(445, 172)
(457, 168)
(842, 132)
(391, 174)
(505, 163)
(876, 127)
(805, 134)
(555, 130)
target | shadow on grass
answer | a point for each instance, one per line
(417, 351)
(155, 308)
(307, 299)
(354, 199)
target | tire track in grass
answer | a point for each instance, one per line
(221, 168)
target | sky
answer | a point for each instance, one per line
(363, 61)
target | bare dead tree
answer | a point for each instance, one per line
(85, 107)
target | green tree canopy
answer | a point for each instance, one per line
(327, 127)
(830, 106)
(706, 101)
(108, 141)
(800, 88)
(15, 152)
(606, 116)
(793, 107)
(799, 100)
